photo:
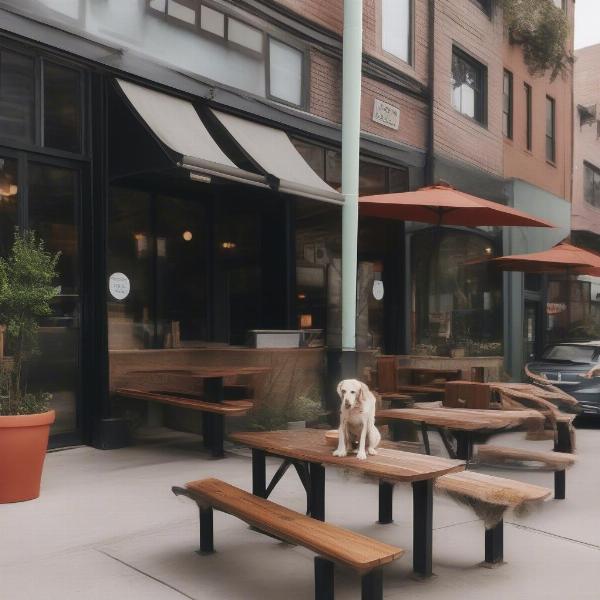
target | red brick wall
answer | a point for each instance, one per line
(587, 142)
(456, 136)
(532, 166)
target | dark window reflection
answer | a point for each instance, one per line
(17, 96)
(371, 179)
(53, 198)
(8, 203)
(62, 108)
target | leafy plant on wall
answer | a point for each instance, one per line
(542, 30)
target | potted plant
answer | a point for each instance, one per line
(26, 290)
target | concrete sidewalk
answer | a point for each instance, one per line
(108, 527)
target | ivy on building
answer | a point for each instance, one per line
(542, 30)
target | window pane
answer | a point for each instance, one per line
(588, 184)
(396, 28)
(285, 72)
(371, 179)
(159, 5)
(181, 12)
(53, 196)
(467, 86)
(62, 108)
(398, 180)
(212, 21)
(17, 96)
(333, 169)
(244, 35)
(313, 155)
(8, 203)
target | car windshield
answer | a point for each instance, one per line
(578, 354)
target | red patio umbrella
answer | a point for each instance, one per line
(441, 204)
(563, 257)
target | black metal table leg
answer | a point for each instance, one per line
(447, 442)
(563, 438)
(372, 585)
(281, 471)
(207, 430)
(560, 484)
(494, 544)
(206, 530)
(317, 491)
(324, 582)
(386, 495)
(304, 475)
(259, 473)
(213, 389)
(218, 435)
(422, 527)
(425, 438)
(464, 446)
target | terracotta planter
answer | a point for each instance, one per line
(23, 445)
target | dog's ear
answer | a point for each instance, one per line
(339, 388)
(364, 392)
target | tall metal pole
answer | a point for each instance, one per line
(352, 67)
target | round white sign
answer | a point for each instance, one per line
(378, 289)
(119, 286)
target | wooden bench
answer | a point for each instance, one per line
(558, 462)
(331, 544)
(495, 493)
(213, 413)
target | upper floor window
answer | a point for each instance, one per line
(285, 81)
(396, 28)
(485, 5)
(562, 4)
(528, 116)
(469, 82)
(591, 184)
(550, 129)
(41, 102)
(507, 104)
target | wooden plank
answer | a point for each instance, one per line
(386, 374)
(310, 445)
(490, 489)
(359, 552)
(422, 389)
(227, 407)
(503, 454)
(463, 419)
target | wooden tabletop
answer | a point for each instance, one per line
(207, 372)
(421, 389)
(463, 419)
(310, 445)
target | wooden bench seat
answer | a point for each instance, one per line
(497, 493)
(213, 413)
(331, 544)
(556, 461)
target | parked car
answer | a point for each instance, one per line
(566, 365)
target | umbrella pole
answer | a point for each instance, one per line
(352, 68)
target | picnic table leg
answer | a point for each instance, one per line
(259, 473)
(317, 491)
(213, 389)
(425, 438)
(386, 495)
(494, 544)
(207, 430)
(560, 485)
(206, 530)
(446, 441)
(218, 435)
(563, 438)
(323, 579)
(281, 471)
(372, 585)
(422, 527)
(464, 445)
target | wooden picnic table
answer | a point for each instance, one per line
(463, 423)
(309, 453)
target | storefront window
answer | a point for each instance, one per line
(62, 108)
(17, 96)
(456, 297)
(9, 191)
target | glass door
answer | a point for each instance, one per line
(53, 195)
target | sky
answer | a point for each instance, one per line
(587, 23)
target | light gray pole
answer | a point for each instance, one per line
(352, 67)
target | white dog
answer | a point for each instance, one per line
(357, 419)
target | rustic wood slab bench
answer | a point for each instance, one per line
(331, 544)
(558, 462)
(495, 493)
(213, 413)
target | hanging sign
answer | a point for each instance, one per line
(119, 286)
(378, 289)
